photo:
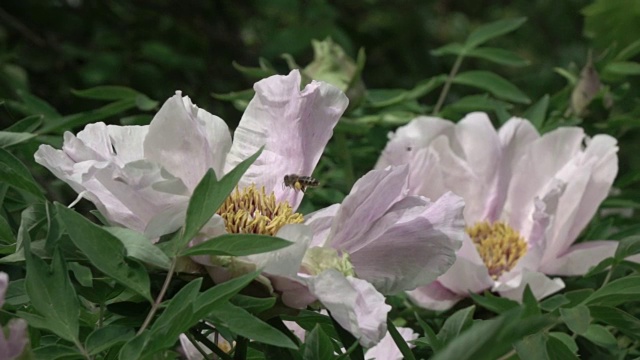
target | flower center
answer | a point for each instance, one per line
(319, 259)
(252, 211)
(499, 245)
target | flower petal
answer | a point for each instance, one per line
(294, 127)
(354, 304)
(187, 141)
(468, 272)
(369, 199)
(387, 348)
(434, 297)
(540, 285)
(320, 223)
(411, 245)
(580, 258)
(286, 261)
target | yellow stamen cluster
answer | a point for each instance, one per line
(252, 211)
(499, 245)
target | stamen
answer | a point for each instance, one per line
(252, 211)
(499, 246)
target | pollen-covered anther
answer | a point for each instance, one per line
(499, 246)
(251, 211)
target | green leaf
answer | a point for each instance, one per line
(566, 339)
(627, 247)
(577, 318)
(253, 72)
(628, 52)
(81, 273)
(8, 138)
(401, 343)
(140, 248)
(434, 342)
(456, 323)
(52, 296)
(105, 252)
(481, 102)
(209, 194)
(237, 245)
(498, 56)
(493, 30)
(253, 304)
(317, 345)
(532, 347)
(26, 125)
(616, 292)
(600, 336)
(14, 173)
(553, 302)
(449, 49)
(494, 303)
(558, 350)
(49, 352)
(537, 112)
(210, 299)
(620, 319)
(37, 105)
(133, 348)
(624, 68)
(495, 84)
(75, 120)
(244, 324)
(531, 306)
(6, 234)
(107, 93)
(104, 338)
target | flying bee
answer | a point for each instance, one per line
(299, 182)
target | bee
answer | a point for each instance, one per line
(299, 182)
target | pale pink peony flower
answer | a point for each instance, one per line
(527, 198)
(378, 241)
(12, 346)
(141, 177)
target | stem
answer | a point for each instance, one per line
(240, 351)
(156, 303)
(197, 346)
(101, 315)
(447, 84)
(507, 355)
(210, 345)
(83, 351)
(345, 154)
(608, 277)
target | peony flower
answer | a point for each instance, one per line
(378, 241)
(12, 346)
(141, 177)
(527, 198)
(386, 349)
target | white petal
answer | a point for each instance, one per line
(286, 261)
(354, 304)
(540, 285)
(580, 258)
(468, 273)
(294, 126)
(320, 223)
(387, 348)
(434, 297)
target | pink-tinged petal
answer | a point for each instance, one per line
(434, 297)
(369, 199)
(387, 348)
(187, 141)
(468, 273)
(294, 127)
(294, 292)
(296, 329)
(416, 135)
(580, 258)
(536, 170)
(320, 223)
(286, 261)
(540, 285)
(354, 304)
(13, 346)
(411, 245)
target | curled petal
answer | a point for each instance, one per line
(354, 304)
(293, 125)
(434, 297)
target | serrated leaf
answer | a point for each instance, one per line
(577, 318)
(317, 345)
(498, 56)
(52, 295)
(237, 245)
(495, 84)
(105, 252)
(209, 194)
(492, 30)
(104, 338)
(616, 292)
(107, 92)
(140, 248)
(537, 112)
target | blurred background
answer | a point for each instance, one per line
(48, 49)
